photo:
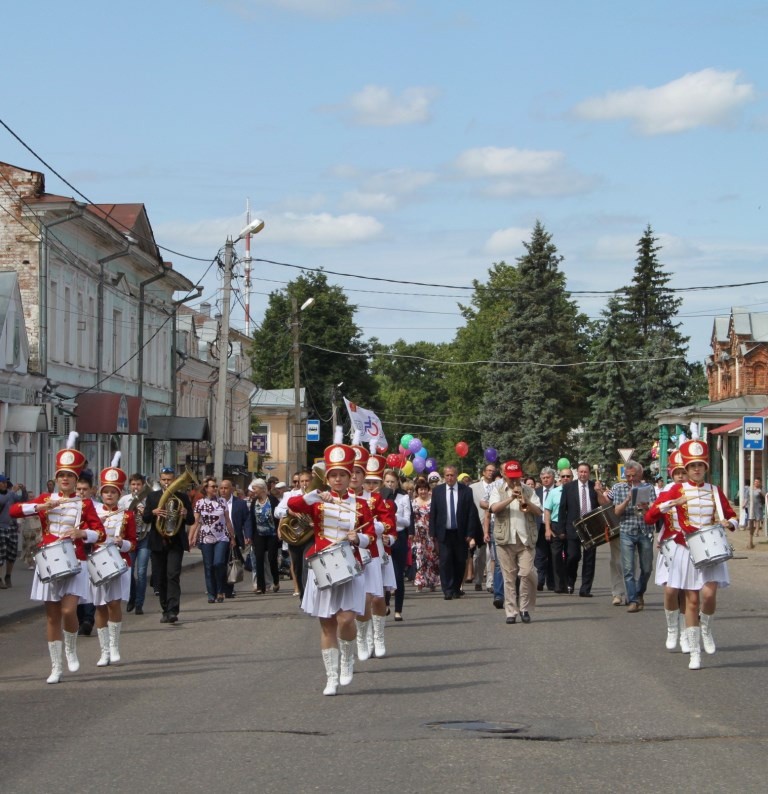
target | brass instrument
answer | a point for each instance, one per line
(141, 528)
(169, 524)
(296, 530)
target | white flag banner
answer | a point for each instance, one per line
(367, 423)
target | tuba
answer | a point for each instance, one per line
(298, 530)
(169, 524)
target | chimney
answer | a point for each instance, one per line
(205, 308)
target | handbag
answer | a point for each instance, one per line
(235, 566)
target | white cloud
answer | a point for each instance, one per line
(399, 180)
(249, 9)
(508, 243)
(323, 229)
(705, 98)
(512, 172)
(377, 106)
(372, 202)
(493, 161)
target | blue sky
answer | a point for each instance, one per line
(413, 139)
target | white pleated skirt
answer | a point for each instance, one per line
(117, 589)
(388, 574)
(374, 584)
(78, 585)
(325, 603)
(682, 575)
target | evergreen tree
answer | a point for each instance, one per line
(327, 325)
(529, 408)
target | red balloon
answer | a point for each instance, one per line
(394, 461)
(462, 448)
(382, 449)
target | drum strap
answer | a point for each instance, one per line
(718, 506)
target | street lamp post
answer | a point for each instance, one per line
(299, 458)
(254, 227)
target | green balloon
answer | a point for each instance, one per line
(405, 440)
(563, 463)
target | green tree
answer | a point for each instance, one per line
(529, 408)
(412, 391)
(331, 348)
(649, 367)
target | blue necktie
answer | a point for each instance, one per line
(452, 508)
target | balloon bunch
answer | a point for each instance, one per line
(412, 457)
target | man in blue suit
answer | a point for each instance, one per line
(453, 521)
(240, 516)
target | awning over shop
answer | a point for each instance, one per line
(178, 428)
(26, 419)
(735, 425)
(105, 412)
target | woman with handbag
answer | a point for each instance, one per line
(213, 533)
(264, 540)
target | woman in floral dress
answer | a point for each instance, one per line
(424, 547)
(214, 534)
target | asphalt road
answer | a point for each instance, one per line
(584, 699)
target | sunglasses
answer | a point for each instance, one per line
(566, 476)
(167, 470)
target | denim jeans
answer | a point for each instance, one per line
(642, 544)
(139, 565)
(215, 558)
(498, 574)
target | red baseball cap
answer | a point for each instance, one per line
(511, 469)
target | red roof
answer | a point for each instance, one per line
(736, 424)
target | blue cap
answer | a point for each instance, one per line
(3, 478)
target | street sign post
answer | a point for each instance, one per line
(313, 429)
(753, 436)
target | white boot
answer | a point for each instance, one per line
(684, 647)
(707, 640)
(331, 662)
(363, 627)
(694, 640)
(70, 650)
(378, 636)
(347, 664)
(369, 639)
(114, 640)
(673, 628)
(54, 649)
(104, 645)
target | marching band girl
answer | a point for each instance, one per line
(337, 516)
(693, 505)
(62, 516)
(120, 529)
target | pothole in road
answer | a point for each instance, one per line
(541, 732)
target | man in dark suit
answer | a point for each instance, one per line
(543, 559)
(240, 516)
(578, 498)
(453, 521)
(167, 552)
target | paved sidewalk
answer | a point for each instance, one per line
(15, 603)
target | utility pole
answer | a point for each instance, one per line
(297, 457)
(221, 386)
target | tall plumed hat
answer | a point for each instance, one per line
(70, 459)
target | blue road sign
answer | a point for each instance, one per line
(313, 429)
(753, 437)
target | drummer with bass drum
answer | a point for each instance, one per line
(342, 523)
(61, 580)
(700, 515)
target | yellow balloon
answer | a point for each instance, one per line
(408, 468)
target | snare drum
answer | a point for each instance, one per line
(57, 560)
(709, 546)
(598, 526)
(365, 556)
(105, 564)
(334, 565)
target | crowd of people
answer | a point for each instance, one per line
(350, 533)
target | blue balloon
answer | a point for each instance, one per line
(491, 455)
(422, 453)
(431, 465)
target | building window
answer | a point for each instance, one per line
(117, 341)
(92, 333)
(53, 318)
(81, 331)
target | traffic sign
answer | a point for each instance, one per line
(313, 429)
(753, 436)
(626, 454)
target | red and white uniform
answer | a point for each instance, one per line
(57, 524)
(385, 522)
(116, 523)
(331, 523)
(701, 510)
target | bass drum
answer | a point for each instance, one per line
(597, 527)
